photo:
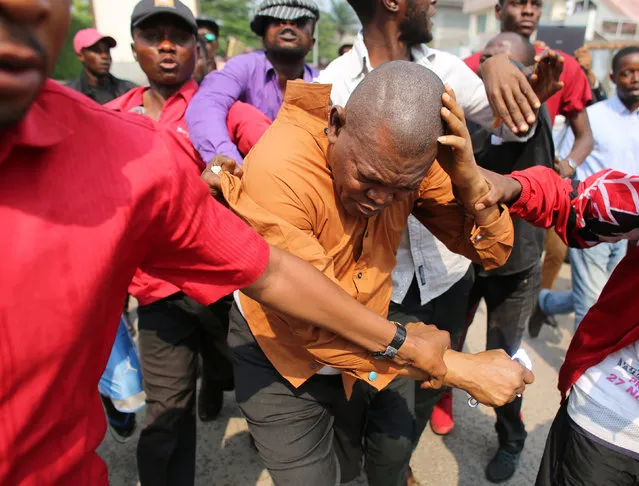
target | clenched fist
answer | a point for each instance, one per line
(213, 168)
(491, 377)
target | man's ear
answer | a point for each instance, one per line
(80, 56)
(498, 9)
(391, 5)
(612, 78)
(336, 122)
(134, 52)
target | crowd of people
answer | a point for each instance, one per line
(318, 242)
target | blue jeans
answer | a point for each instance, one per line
(591, 269)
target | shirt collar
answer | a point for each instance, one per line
(134, 97)
(38, 129)
(307, 105)
(360, 64)
(619, 107)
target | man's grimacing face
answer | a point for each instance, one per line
(369, 173)
(31, 36)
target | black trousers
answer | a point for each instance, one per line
(313, 435)
(510, 301)
(448, 313)
(572, 458)
(174, 332)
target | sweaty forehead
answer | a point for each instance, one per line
(377, 159)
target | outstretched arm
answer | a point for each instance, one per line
(206, 116)
(603, 208)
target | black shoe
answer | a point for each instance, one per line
(502, 466)
(551, 321)
(121, 425)
(209, 402)
(536, 321)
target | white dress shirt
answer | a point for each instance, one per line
(616, 133)
(420, 253)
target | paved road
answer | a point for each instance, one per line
(226, 459)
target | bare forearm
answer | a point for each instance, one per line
(473, 193)
(295, 288)
(584, 141)
(458, 372)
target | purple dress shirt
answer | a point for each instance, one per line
(250, 78)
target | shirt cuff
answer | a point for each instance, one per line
(483, 237)
(379, 381)
(493, 242)
(519, 207)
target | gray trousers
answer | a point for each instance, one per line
(313, 435)
(448, 313)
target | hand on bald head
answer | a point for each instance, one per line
(399, 104)
(384, 141)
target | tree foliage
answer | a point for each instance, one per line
(333, 26)
(68, 66)
(344, 19)
(234, 17)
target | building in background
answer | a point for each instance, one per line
(605, 20)
(451, 28)
(610, 25)
(114, 22)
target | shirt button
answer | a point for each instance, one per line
(479, 238)
(360, 275)
(372, 376)
(313, 366)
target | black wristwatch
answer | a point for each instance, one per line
(396, 343)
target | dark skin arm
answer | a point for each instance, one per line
(584, 143)
(491, 377)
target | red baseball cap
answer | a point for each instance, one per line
(89, 37)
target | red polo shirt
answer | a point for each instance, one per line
(246, 127)
(87, 196)
(144, 287)
(574, 96)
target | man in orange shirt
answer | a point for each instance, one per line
(335, 186)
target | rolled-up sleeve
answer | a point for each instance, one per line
(436, 208)
(207, 113)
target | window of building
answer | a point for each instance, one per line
(482, 20)
(628, 28)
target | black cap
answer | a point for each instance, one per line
(209, 23)
(146, 9)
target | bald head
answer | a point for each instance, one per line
(382, 144)
(399, 102)
(516, 46)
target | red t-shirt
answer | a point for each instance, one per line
(87, 196)
(574, 96)
(245, 125)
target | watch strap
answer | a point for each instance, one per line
(396, 343)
